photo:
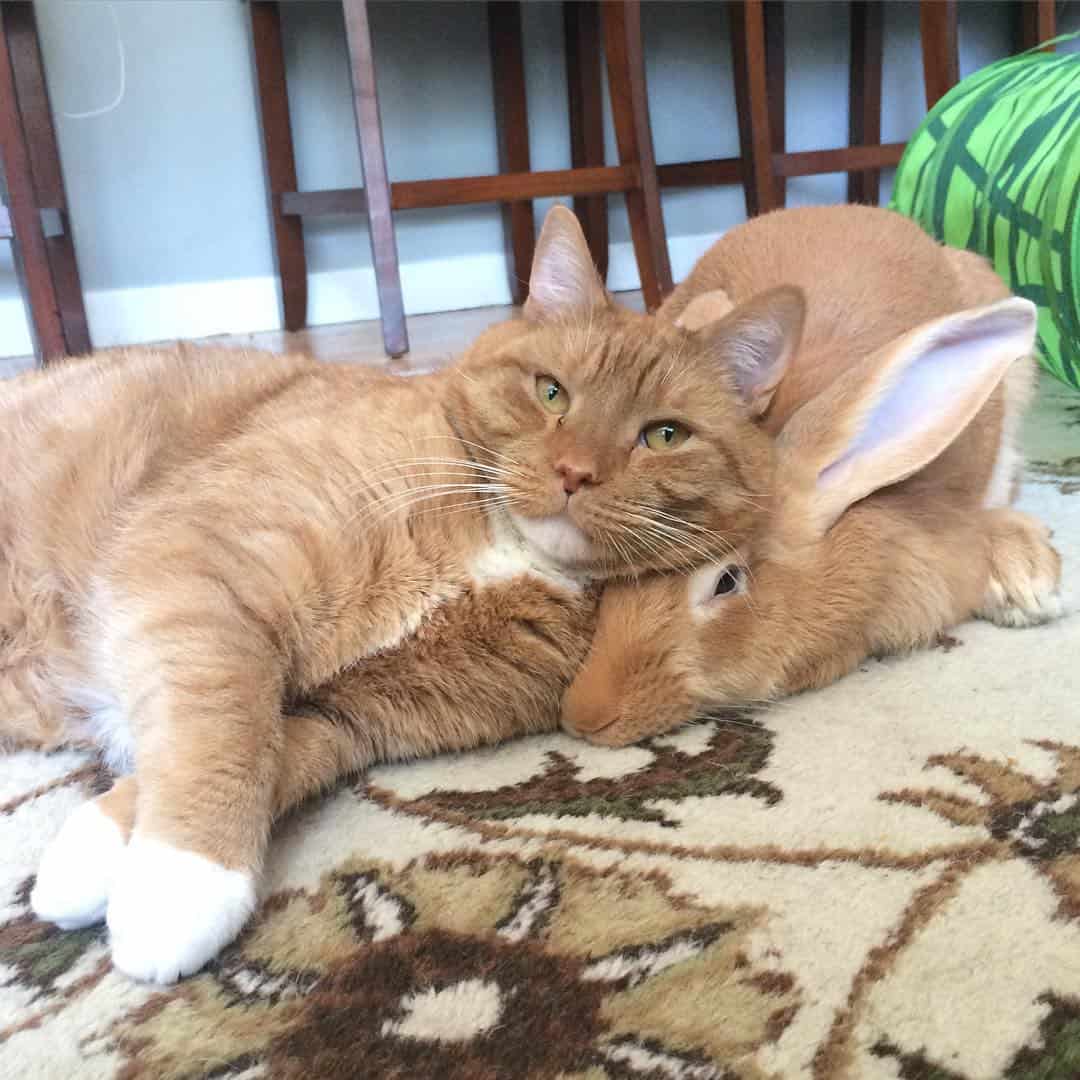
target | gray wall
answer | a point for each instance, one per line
(166, 187)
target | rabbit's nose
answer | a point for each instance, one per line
(591, 703)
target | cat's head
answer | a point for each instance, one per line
(622, 443)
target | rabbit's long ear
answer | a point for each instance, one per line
(564, 281)
(887, 417)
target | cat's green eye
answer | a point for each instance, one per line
(552, 395)
(664, 435)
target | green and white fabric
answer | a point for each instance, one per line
(995, 168)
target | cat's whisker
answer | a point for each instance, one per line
(730, 550)
(642, 542)
(670, 533)
(486, 502)
(656, 548)
(458, 370)
(399, 501)
(410, 511)
(746, 500)
(458, 475)
(692, 540)
(625, 546)
(464, 463)
(588, 333)
(727, 548)
(434, 491)
(475, 446)
(673, 362)
(624, 553)
(652, 544)
(661, 545)
(729, 720)
(456, 463)
(608, 540)
(676, 520)
(406, 493)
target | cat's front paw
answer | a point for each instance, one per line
(77, 869)
(172, 911)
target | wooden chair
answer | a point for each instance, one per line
(757, 42)
(757, 58)
(617, 22)
(938, 24)
(865, 155)
(34, 211)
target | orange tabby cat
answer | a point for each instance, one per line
(241, 576)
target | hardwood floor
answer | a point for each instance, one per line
(434, 339)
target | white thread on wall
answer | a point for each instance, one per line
(115, 103)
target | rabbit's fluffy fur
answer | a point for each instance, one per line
(895, 427)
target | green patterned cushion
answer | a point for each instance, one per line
(995, 168)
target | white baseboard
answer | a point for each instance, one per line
(247, 305)
(14, 329)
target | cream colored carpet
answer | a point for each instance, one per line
(879, 880)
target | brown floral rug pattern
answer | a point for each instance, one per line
(880, 880)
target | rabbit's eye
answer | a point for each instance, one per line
(728, 581)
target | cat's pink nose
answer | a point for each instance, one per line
(573, 477)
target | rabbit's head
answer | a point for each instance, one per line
(784, 613)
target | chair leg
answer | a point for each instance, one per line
(1038, 23)
(864, 94)
(630, 112)
(584, 75)
(512, 126)
(279, 160)
(752, 104)
(940, 52)
(31, 257)
(776, 81)
(33, 101)
(376, 182)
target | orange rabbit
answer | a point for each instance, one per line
(894, 431)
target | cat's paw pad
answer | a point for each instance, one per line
(1025, 574)
(172, 911)
(77, 869)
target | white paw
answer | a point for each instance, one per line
(77, 869)
(171, 911)
(1028, 603)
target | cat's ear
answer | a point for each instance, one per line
(564, 281)
(704, 309)
(756, 341)
(885, 418)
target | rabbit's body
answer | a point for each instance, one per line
(895, 426)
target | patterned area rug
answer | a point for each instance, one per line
(879, 880)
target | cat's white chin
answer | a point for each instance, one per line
(556, 537)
